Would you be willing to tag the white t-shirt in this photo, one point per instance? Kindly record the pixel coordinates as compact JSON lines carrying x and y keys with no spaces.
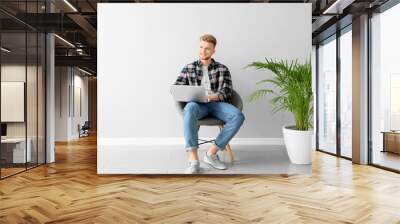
{"x":206,"y":80}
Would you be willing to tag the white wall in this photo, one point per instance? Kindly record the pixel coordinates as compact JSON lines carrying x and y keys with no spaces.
{"x":143,"y":47}
{"x":68,"y":81}
{"x":81,"y":82}
{"x":61,"y":103}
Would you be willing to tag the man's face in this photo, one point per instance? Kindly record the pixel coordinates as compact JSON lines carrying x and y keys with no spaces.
{"x":206,"y":50}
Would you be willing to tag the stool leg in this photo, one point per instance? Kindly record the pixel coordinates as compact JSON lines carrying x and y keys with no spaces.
{"x":230,"y":153}
{"x":228,"y":148}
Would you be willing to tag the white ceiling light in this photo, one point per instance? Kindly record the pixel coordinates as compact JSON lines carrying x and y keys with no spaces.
{"x":5,"y":50}
{"x":70,"y":5}
{"x":338,"y":6}
{"x":65,"y":41}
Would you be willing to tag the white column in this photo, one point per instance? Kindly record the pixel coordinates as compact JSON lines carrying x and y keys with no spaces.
{"x":50,"y":110}
{"x":50,"y":92}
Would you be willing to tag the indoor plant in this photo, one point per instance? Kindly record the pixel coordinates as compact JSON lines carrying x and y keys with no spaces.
{"x":293,"y":93}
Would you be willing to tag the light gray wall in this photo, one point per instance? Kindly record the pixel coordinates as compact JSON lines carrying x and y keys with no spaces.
{"x":143,"y":47}
{"x":61,"y":103}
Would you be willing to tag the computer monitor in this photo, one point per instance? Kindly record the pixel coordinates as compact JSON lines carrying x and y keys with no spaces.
{"x":3,"y":129}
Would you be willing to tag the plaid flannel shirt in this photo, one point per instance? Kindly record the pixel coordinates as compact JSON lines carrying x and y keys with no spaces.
{"x":220,"y":78}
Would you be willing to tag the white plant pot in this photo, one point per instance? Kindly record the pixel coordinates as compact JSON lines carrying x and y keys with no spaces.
{"x":298,"y":144}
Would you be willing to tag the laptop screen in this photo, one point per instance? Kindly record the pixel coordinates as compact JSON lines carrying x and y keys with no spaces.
{"x":3,"y":129}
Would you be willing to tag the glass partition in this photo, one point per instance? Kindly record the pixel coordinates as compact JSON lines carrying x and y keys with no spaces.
{"x":346,"y":93}
{"x":41,"y":88}
{"x":14,"y":155}
{"x":327,"y":96}
{"x":32,"y":95}
{"x":22,"y":77}
{"x":385,"y":89}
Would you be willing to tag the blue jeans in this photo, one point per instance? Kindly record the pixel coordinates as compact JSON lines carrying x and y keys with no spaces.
{"x":229,"y":114}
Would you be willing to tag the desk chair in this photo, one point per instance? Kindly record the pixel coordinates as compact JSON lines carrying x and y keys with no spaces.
{"x":84,"y":129}
{"x":236,"y":101}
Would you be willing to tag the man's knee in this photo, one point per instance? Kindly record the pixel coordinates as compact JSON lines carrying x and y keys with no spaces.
{"x":236,"y":118}
{"x":239,"y":117}
{"x":191,"y":108}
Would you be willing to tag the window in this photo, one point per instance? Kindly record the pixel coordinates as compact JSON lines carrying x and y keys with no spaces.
{"x":385,"y":89}
{"x":327,"y":96}
{"x":346,"y":92}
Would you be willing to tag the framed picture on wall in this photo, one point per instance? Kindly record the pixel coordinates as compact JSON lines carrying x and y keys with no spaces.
{"x":12,"y":101}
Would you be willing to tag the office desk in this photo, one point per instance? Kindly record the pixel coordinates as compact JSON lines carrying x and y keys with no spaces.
{"x":15,"y":148}
{"x":391,"y":141}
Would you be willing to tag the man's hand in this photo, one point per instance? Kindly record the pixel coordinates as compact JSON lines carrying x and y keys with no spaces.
{"x":212,"y":97}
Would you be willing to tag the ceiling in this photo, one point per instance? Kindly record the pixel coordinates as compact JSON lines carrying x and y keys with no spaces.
{"x":75,"y":21}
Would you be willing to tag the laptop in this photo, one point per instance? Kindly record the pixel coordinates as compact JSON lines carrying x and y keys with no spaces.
{"x":185,"y":93}
{"x":3,"y":131}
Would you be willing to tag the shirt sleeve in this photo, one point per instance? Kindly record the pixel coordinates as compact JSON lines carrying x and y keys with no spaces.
{"x":182,"y":77}
{"x":225,"y":86}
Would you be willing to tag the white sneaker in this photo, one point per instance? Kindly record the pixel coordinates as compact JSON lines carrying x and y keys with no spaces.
{"x":194,"y":167}
{"x":214,"y":161}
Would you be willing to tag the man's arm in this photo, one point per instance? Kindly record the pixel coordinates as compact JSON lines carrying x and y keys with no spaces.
{"x":183,"y":77}
{"x":225,"y":88}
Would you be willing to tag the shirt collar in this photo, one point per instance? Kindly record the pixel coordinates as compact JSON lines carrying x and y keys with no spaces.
{"x":201,"y":64}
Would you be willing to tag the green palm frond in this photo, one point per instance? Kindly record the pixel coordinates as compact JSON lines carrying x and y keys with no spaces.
{"x":258,"y":94}
{"x":266,"y":81}
{"x":293,"y":82}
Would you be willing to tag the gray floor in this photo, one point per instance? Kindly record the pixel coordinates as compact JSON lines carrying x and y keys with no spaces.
{"x":248,"y":160}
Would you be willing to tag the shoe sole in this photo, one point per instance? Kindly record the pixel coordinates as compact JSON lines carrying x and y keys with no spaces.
{"x":209,"y":163}
{"x":198,"y":172}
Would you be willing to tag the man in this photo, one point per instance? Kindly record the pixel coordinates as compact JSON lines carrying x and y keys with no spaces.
{"x":217,"y":81}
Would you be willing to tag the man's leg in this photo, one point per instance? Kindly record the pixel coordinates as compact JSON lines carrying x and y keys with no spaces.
{"x":233,"y":119}
{"x":191,"y":114}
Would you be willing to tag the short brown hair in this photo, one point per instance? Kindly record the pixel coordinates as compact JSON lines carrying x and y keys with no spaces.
{"x":209,"y":38}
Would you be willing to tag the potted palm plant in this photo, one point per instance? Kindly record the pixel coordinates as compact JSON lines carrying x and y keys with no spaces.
{"x":293,"y":93}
